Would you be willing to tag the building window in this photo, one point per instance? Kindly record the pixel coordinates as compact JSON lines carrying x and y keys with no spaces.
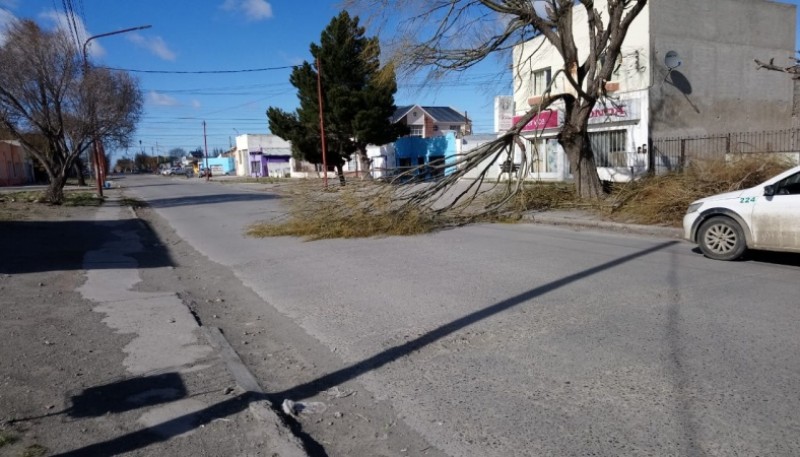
{"x":455,"y":128}
{"x":416,"y":130}
{"x":610,"y":148}
{"x":539,"y":81}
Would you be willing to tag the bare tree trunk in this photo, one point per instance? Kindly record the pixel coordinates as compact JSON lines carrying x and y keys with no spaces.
{"x":340,"y":172}
{"x":581,"y":157}
{"x":78,"y":167}
{"x":55,"y":190}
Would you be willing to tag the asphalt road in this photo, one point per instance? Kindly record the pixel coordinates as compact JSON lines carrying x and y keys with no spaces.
{"x":499,"y":340}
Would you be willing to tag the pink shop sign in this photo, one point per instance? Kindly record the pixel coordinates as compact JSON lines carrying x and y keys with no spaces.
{"x":547,"y":119}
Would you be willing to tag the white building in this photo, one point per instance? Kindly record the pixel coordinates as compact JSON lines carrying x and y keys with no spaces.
{"x":254,"y":154}
{"x":686,"y":68}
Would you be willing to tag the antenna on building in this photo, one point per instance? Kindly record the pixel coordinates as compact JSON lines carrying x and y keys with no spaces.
{"x":672,"y":60}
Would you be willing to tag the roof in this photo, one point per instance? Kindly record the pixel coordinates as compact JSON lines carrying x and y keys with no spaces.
{"x":437,"y":113}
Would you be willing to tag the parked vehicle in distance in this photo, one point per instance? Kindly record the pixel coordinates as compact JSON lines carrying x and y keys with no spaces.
{"x":766,"y":217}
{"x":173,"y":171}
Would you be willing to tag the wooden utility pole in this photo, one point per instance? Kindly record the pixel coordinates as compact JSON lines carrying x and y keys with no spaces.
{"x":322,"y":126}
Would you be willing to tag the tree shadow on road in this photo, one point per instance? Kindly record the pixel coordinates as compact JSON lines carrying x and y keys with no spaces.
{"x":41,"y":246}
{"x":142,"y":438}
{"x":195,"y":200}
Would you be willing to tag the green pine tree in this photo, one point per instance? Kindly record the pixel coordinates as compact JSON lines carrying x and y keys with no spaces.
{"x":357,"y":93}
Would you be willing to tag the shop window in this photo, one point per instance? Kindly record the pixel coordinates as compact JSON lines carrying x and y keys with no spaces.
{"x":610,"y":148}
{"x":544,"y":155}
{"x":539,"y":81}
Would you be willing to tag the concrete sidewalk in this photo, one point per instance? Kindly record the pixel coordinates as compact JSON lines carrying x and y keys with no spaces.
{"x":125,"y":367}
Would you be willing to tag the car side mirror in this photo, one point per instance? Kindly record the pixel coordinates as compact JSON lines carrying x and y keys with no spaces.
{"x":769,"y":191}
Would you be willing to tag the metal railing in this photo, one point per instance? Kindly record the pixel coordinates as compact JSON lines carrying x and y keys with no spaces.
{"x":673,"y":154}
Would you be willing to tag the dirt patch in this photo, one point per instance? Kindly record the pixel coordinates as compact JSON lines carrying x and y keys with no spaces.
{"x":63,"y":386}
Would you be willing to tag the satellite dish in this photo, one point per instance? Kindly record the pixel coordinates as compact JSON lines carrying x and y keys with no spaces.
{"x":672,"y":60}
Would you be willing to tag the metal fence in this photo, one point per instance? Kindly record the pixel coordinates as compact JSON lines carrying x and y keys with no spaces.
{"x":673,"y":154}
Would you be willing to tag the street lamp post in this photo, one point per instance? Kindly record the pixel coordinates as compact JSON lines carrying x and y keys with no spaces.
{"x":98,"y":163}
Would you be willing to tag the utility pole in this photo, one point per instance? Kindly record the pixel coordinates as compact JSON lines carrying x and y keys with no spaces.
{"x":98,"y":161}
{"x":322,"y":125}
{"x":205,"y":145}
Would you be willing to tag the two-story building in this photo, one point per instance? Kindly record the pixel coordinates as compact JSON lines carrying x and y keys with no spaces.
{"x":686,"y":69}
{"x":431,"y":121}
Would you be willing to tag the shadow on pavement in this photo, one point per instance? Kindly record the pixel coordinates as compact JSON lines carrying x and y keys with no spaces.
{"x":209,"y":199}
{"x":41,"y":246}
{"x":142,"y":438}
{"x":328,"y":381}
{"x":121,"y":396}
{"x":128,"y":394}
{"x":790,"y":259}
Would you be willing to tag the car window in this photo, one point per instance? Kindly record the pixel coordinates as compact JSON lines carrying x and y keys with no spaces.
{"x":789,"y":185}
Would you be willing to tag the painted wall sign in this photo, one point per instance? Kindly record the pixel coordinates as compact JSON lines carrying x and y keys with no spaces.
{"x":547,"y":119}
{"x":615,"y":111}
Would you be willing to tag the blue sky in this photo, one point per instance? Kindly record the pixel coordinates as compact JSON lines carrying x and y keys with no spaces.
{"x":213,"y":35}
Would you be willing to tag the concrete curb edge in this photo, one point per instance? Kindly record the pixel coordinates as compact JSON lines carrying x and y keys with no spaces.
{"x":282,"y":441}
{"x":652,"y":230}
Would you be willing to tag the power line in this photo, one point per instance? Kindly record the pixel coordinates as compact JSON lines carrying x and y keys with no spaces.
{"x":201,"y":72}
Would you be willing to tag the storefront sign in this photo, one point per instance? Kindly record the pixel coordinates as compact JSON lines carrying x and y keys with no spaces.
{"x":546,"y":119}
{"x":615,"y":111}
{"x":503,"y":113}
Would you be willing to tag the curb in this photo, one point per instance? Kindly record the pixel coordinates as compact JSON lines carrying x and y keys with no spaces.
{"x":282,"y":441}
{"x":652,"y":230}
{"x":280,"y":438}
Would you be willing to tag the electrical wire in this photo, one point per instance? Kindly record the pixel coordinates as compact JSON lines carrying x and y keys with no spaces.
{"x":200,"y":72}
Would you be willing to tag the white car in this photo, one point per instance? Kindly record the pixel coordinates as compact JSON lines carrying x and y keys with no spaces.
{"x":765,"y":217}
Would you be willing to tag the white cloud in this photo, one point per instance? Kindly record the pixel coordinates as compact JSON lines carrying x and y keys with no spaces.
{"x":161,"y":100}
{"x":254,"y":10}
{"x":155,"y":45}
{"x":61,"y":22}
{"x":196,"y":104}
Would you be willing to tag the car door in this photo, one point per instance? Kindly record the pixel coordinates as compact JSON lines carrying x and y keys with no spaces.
{"x":776,"y":218}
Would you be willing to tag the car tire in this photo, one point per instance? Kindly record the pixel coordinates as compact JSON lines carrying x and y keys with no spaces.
{"x":721,"y":238}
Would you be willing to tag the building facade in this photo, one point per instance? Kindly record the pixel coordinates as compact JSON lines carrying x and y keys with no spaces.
{"x":16,"y":168}
{"x":260,"y":155}
{"x":432,"y":121}
{"x":686,"y":68}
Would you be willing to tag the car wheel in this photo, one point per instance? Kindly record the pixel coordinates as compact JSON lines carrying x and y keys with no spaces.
{"x":721,"y":238}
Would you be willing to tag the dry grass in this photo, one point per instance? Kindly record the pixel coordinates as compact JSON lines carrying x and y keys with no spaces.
{"x":664,"y":199}
{"x":357,"y":210}
{"x":541,"y":196}
{"x":27,"y":205}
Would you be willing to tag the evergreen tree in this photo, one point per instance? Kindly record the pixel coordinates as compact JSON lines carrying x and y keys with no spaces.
{"x":358,"y":98}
